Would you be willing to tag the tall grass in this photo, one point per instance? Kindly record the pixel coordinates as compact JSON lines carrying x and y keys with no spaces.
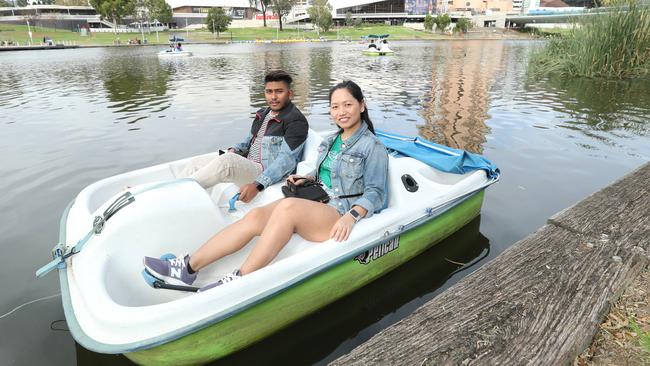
{"x":612,"y":45}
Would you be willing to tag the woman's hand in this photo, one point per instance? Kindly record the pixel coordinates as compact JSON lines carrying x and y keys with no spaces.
{"x":342,"y":228}
{"x":298,"y":180}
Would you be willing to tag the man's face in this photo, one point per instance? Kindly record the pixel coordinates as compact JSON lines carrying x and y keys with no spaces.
{"x":277,"y":94}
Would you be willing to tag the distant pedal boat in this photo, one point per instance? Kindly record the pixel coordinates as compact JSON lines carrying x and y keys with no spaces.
{"x":170,"y":53}
{"x":109,"y":308}
{"x":370,"y":52}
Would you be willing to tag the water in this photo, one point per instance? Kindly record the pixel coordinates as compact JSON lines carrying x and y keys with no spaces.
{"x":69,"y":118}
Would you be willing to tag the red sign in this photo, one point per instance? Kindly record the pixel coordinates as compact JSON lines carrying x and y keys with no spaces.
{"x":268,"y":17}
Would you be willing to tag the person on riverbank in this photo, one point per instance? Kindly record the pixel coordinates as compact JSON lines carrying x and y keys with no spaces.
{"x":270,"y":151}
{"x":358,"y":187}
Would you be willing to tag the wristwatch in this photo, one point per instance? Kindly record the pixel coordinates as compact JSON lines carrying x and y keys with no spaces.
{"x":355,"y":215}
{"x":260,"y":187}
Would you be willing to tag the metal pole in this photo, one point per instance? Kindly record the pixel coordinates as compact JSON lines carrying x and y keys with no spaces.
{"x":142,"y":31}
{"x":187,"y":30}
{"x":213,"y":36}
{"x":29,"y":32}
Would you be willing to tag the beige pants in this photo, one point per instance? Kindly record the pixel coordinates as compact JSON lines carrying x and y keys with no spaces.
{"x":226,"y":168}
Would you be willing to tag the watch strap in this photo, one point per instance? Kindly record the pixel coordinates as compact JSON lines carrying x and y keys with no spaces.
{"x":355,"y":215}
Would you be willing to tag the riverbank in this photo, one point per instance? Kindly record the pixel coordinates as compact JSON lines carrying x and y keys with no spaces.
{"x":624,"y":336}
{"x":19,"y":34}
{"x":541,"y":301}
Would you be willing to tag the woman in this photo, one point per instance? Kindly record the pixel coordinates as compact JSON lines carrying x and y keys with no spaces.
{"x":350,"y":162}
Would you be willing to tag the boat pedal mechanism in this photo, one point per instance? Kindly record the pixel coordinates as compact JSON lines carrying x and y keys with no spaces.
{"x":157,"y":283}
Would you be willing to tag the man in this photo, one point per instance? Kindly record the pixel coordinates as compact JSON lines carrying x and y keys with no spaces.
{"x":271,"y":150}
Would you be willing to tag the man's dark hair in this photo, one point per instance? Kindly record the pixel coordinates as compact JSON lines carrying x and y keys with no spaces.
{"x":278,"y":75}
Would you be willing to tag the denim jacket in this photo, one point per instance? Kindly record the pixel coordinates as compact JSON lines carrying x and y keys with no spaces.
{"x":361,"y":167}
{"x":282,"y":144}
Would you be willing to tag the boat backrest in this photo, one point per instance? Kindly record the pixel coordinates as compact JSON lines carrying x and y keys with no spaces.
{"x":310,"y":153}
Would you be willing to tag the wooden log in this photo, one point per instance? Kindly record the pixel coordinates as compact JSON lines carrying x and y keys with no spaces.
{"x":538,"y":303}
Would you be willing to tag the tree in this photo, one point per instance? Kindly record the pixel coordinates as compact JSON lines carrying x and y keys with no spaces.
{"x":21,"y":3}
{"x":263,"y":4}
{"x":113,"y":9}
{"x":358,"y":22}
{"x":159,"y":10}
{"x":349,"y":21}
{"x":463,"y":25}
{"x":321,"y":15}
{"x":217,"y":20}
{"x":429,"y":22}
{"x":442,"y":22}
{"x":281,"y":8}
{"x":4,"y":4}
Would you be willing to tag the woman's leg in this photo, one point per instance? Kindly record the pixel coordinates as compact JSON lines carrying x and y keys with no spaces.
{"x":311,"y":220}
{"x":233,"y":237}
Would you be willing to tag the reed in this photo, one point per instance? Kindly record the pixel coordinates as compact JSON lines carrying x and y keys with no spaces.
{"x":611,"y":45}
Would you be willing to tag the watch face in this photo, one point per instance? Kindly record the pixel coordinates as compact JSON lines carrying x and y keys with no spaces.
{"x":354,"y":214}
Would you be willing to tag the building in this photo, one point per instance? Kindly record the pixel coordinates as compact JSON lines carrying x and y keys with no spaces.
{"x":195,"y":12}
{"x":184,"y":13}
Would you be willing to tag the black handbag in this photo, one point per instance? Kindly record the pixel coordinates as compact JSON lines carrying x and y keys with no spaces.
{"x":309,"y":190}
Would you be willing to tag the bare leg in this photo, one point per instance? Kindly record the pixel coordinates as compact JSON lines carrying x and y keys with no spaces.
{"x":233,"y":237}
{"x":311,"y":220}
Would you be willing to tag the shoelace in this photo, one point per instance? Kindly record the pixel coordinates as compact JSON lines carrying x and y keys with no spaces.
{"x":229,"y":277}
{"x":177,"y":262}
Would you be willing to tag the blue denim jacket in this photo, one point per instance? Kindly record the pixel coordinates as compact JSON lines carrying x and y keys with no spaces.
{"x":282,"y":144}
{"x":361,"y":167}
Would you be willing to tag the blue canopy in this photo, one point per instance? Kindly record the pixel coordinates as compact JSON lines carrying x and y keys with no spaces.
{"x":441,"y":157}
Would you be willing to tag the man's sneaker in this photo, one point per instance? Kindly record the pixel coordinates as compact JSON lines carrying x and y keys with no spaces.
{"x":227,"y":278}
{"x":173,"y":271}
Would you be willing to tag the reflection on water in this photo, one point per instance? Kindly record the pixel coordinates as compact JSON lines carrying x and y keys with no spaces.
{"x":605,"y":110}
{"x":136,"y":88}
{"x":458,"y":104}
{"x":70,"y":118}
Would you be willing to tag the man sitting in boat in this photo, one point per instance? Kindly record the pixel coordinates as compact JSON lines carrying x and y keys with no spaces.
{"x":383,"y":46}
{"x":179,"y":48}
{"x":269,"y":153}
{"x":372,"y":44}
{"x":353,"y":168}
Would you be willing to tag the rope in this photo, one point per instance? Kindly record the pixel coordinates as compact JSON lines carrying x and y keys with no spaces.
{"x":29,"y":303}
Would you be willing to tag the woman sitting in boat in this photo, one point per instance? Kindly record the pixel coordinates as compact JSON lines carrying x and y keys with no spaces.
{"x":372,"y":44}
{"x":178,"y":47}
{"x":351,"y":162}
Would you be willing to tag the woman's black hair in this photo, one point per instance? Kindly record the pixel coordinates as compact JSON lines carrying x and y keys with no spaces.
{"x":356,"y":92}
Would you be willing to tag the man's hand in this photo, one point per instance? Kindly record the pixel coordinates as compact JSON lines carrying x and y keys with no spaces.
{"x":247,"y":192}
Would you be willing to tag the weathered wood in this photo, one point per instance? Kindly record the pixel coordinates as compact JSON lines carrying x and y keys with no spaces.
{"x":538,"y":303}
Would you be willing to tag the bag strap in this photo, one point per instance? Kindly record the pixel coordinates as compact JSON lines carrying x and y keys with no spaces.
{"x":349,"y":195}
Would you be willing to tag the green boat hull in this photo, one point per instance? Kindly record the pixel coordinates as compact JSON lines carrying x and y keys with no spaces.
{"x":260,"y":321}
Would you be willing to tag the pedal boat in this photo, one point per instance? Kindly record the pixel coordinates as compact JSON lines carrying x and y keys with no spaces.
{"x":169,"y":53}
{"x":378,"y":53}
{"x":110,"y":309}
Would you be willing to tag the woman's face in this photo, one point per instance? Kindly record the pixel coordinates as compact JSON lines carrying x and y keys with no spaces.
{"x":345,"y":109}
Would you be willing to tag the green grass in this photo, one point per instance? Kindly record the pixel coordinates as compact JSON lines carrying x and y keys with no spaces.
{"x":19,"y":33}
{"x":644,"y":339}
{"x":611,"y":45}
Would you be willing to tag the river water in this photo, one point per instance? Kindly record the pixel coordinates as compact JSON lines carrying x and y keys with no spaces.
{"x":69,"y":118}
